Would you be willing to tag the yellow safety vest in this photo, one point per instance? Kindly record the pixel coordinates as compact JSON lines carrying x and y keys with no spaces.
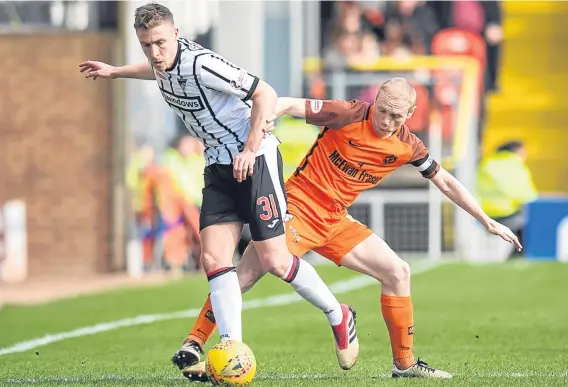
{"x":296,"y":137}
{"x":504,"y":184}
{"x":187,"y":174}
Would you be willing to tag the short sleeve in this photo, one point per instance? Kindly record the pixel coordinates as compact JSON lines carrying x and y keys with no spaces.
{"x":218,"y":73}
{"x":421,"y":158}
{"x":335,"y":114}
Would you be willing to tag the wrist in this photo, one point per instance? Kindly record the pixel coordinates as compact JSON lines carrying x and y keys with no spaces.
{"x":116,"y":72}
{"x":485,"y":221}
{"x":250,"y":148}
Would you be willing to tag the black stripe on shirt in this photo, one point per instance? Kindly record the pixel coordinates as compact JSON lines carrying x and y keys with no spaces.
{"x":194,"y":116}
{"x":252,"y":89}
{"x":204,"y":96}
{"x":254,"y":83}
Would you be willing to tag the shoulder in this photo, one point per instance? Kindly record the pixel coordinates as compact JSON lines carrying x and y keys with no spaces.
{"x":192,"y":47}
{"x":407,"y":137}
{"x":192,"y":53}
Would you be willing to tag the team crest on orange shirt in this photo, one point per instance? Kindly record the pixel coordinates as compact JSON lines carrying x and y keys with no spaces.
{"x":389,"y":159}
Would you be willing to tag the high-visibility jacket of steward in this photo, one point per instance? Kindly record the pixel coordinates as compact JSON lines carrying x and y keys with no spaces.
{"x":186,"y":173}
{"x":296,"y":137}
{"x":504,"y":184}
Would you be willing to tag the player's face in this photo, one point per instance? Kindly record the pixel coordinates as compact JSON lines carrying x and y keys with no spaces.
{"x":159,"y":44}
{"x":390,"y":113}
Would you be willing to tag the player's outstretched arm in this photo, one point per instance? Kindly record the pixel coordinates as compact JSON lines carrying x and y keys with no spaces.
{"x":293,"y":106}
{"x":456,"y":192}
{"x":95,"y":69}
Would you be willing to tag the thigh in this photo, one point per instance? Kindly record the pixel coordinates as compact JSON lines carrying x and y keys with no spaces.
{"x":220,"y":204}
{"x":374,"y":257}
{"x":344,"y":238}
{"x":264,"y":197}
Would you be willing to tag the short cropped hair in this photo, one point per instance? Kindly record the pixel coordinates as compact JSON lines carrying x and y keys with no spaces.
{"x":400,"y":88}
{"x":511,"y":146}
{"x":152,"y":15}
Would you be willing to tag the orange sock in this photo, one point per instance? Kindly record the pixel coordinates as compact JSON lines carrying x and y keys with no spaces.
{"x":398,"y":315}
{"x":204,"y":326}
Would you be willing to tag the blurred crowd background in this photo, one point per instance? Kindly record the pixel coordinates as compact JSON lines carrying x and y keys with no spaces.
{"x":107,"y":172}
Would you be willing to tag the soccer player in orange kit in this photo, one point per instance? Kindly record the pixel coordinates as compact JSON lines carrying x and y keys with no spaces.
{"x":359,"y":145}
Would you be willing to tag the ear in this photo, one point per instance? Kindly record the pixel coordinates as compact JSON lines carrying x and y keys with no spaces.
{"x":176,"y":32}
{"x":411,"y":112}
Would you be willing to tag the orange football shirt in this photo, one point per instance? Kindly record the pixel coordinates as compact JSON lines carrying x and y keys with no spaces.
{"x":348,"y":157}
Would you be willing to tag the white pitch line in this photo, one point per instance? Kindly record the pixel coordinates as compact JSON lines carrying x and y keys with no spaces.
{"x":354,"y":283}
{"x":271,"y":376}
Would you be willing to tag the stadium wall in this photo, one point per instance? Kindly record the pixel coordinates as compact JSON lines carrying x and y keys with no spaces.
{"x":55,"y":153}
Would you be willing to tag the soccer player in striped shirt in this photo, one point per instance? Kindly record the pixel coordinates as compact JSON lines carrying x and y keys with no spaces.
{"x":243,"y":176}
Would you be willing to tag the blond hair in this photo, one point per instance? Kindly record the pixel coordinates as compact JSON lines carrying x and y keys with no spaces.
{"x":152,"y":15}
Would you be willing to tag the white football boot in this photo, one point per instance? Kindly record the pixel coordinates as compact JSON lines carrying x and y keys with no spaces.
{"x":420,"y":370}
{"x":346,"y":341}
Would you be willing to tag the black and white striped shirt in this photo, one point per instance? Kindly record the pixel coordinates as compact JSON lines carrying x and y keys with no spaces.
{"x":212,"y":97}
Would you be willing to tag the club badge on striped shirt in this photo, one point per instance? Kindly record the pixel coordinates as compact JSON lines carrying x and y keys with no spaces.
{"x":182,"y":82}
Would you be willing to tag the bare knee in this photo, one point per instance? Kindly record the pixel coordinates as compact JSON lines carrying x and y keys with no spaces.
{"x":212,"y":262}
{"x":398,"y":276}
{"x":208,"y":262}
{"x":274,"y":256}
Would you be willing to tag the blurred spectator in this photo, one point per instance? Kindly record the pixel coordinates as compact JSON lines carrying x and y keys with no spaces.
{"x":359,"y":32}
{"x":505,"y":186}
{"x":350,"y":40}
{"x":482,"y":17}
{"x":141,"y":176}
{"x":296,"y":138}
{"x":410,"y":26}
{"x":179,"y":201}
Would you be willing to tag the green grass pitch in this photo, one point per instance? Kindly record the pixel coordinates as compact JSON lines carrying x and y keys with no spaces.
{"x":490,"y":325}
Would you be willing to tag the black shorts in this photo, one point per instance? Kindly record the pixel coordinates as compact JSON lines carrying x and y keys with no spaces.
{"x":260,"y":200}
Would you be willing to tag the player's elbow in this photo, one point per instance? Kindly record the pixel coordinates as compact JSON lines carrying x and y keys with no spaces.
{"x":264,"y":92}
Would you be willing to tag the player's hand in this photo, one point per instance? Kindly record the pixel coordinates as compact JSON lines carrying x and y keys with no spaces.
{"x":269,"y":127}
{"x":94,"y":69}
{"x":243,"y":165}
{"x":504,"y":232}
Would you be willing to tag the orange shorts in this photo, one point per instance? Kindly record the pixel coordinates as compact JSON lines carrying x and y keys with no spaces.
{"x":312,"y":226}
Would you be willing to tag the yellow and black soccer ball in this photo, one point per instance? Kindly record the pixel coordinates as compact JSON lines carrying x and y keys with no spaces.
{"x":230,"y":363}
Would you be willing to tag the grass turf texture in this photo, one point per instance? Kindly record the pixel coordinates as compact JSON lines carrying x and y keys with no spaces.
{"x":490,"y":325}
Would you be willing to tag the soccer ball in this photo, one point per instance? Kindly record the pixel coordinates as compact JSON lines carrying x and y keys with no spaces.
{"x":230,"y":363}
